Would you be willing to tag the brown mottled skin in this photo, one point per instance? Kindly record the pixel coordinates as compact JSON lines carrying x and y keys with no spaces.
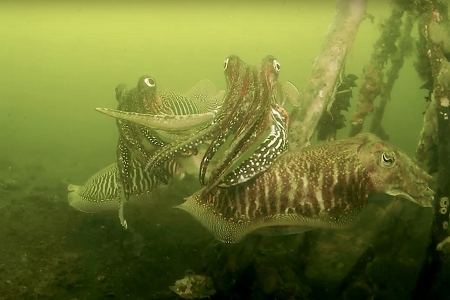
{"x":317,"y":186}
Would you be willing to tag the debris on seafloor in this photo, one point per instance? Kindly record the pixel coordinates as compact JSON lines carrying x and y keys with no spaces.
{"x":194,"y":286}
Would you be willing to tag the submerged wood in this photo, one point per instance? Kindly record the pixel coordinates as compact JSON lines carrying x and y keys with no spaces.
{"x":372,"y":84}
{"x":318,"y":93}
{"x":432,"y":24}
{"x":397,"y":57}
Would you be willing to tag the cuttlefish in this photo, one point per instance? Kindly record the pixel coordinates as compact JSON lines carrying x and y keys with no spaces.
{"x":250,"y":117}
{"x":136,"y":141}
{"x":171,"y":112}
{"x":323,"y":186}
{"x":165,"y":107}
{"x":102,"y":190}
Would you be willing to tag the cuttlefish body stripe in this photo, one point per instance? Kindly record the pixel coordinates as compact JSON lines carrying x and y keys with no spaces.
{"x":161,"y":122}
{"x":201,"y":98}
{"x":102,"y":190}
{"x":319,"y":186}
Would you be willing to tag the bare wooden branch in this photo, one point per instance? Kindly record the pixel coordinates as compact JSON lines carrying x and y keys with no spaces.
{"x":318,"y":93}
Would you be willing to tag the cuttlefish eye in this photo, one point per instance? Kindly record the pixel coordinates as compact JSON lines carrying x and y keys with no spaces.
{"x":225,"y":63}
{"x":150,"y":82}
{"x":276,"y":65}
{"x":387,"y":159}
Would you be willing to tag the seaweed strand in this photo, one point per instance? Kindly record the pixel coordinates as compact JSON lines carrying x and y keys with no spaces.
{"x":372,"y":77}
{"x":397,"y":58}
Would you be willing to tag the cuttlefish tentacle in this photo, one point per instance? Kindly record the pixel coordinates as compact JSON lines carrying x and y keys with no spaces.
{"x":263,"y":157}
{"x":238,"y":116}
{"x":245,"y":115}
{"x":161,"y":122}
{"x":258,"y":118}
{"x":267,"y":152}
{"x":225,"y":121}
{"x":323,"y":186}
{"x":162,"y":110}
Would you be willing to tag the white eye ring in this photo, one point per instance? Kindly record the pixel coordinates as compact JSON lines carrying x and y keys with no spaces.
{"x":276,"y":65}
{"x":225,"y":63}
{"x":149,"y":82}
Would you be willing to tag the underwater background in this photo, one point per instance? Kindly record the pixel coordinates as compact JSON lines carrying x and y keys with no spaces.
{"x":61,"y":59}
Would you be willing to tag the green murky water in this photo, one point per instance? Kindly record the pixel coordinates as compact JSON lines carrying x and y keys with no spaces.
{"x":61,"y":59}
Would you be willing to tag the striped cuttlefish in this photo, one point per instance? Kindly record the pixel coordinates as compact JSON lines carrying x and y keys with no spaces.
{"x":323,"y":186}
{"x":138,"y":142}
{"x":127,"y":178}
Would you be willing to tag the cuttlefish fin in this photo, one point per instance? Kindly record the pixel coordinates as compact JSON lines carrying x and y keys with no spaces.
{"x":224,"y":230}
{"x":204,"y":93}
{"x":202,"y":90}
{"x":289,"y":93}
{"x":161,"y":122}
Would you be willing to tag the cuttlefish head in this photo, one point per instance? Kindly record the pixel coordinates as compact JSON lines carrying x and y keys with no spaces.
{"x":240,"y":81}
{"x":242,"y":78}
{"x":142,"y":99}
{"x":235,"y":70}
{"x":269,"y":69}
{"x":147,"y":99}
{"x":394,"y":173}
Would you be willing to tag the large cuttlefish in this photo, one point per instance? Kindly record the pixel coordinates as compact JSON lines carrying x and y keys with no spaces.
{"x":315,"y":187}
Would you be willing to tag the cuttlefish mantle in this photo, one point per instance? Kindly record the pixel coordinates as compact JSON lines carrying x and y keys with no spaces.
{"x":161,"y":122}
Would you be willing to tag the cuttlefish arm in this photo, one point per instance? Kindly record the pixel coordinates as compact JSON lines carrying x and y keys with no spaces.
{"x":264,"y":156}
{"x":161,"y":122}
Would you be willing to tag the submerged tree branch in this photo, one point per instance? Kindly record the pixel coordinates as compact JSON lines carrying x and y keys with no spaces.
{"x":372,"y":84}
{"x":397,"y":56}
{"x":318,"y":93}
{"x":433,"y":27}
